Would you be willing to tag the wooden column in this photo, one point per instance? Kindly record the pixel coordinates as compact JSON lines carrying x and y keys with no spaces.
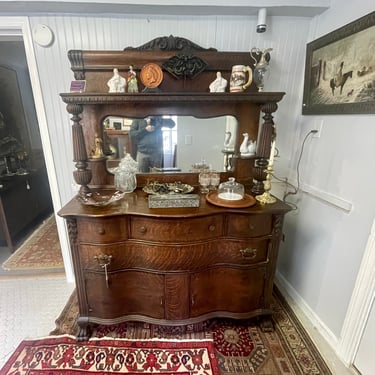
{"x":82,"y":175}
{"x":264,"y":147}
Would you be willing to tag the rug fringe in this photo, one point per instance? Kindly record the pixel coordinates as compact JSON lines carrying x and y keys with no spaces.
{"x":124,"y":339}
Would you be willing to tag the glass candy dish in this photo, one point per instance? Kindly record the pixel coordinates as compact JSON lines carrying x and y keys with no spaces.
{"x":101,"y":198}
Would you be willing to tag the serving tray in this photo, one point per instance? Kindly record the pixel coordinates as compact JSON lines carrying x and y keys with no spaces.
{"x":246,"y":201}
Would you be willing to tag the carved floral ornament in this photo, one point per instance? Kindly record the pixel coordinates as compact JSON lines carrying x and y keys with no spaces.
{"x":183,"y":65}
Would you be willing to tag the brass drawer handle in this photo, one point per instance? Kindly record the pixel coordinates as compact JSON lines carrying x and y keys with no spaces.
{"x":212,"y":228}
{"x":143,"y":230}
{"x":249,"y":253}
{"x":104,"y":261}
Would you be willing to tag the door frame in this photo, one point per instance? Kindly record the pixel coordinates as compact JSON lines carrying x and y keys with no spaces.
{"x":20,"y":27}
{"x":360,"y":304}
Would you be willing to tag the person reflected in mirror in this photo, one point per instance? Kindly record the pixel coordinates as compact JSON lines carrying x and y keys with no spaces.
{"x":116,"y":83}
{"x":219,"y":85}
{"x":146,"y":134}
{"x":132,"y":80}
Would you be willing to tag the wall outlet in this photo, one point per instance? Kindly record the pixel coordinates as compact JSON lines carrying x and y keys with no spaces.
{"x":318,"y":126}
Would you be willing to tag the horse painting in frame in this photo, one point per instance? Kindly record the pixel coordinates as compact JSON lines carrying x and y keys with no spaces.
{"x":340,"y":70}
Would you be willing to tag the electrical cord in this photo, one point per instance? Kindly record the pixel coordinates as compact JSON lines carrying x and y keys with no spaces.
{"x":296,"y":188}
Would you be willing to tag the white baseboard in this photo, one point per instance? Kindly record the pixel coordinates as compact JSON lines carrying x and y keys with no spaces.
{"x":323,"y":338}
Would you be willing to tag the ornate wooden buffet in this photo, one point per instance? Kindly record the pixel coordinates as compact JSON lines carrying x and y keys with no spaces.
{"x":170,"y":265}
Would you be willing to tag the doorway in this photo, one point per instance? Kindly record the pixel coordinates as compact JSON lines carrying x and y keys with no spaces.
{"x":11,"y":27}
{"x":25,"y":196}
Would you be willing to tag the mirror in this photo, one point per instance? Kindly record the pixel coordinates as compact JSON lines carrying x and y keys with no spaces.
{"x":178,"y":143}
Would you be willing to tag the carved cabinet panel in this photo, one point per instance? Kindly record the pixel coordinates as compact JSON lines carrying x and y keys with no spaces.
{"x":175,"y":268}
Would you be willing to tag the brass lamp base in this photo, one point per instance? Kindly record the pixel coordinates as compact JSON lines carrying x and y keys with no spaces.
{"x":266,"y":197}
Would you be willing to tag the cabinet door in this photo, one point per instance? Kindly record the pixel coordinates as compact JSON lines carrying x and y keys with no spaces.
{"x":127,"y":293}
{"x":227,"y":290}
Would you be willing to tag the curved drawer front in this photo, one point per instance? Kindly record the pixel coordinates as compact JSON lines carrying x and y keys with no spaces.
{"x":246,"y":226}
{"x":176,"y":230}
{"x":102,"y":230}
{"x":173,"y":258}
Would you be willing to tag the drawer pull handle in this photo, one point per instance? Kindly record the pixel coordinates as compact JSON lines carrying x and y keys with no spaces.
{"x":249,"y":253}
{"x":101,"y":231}
{"x":143,"y":230}
{"x":251,"y":226}
{"x":212,"y":228}
{"x":104,"y":261}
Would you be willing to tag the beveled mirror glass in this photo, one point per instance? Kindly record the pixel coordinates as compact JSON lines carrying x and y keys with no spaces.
{"x":185,"y":143}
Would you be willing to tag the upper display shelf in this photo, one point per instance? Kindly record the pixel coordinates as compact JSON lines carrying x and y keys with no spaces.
{"x":165,"y":64}
{"x":175,"y":77}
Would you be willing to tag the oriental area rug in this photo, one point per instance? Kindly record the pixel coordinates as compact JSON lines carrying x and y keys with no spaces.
{"x":40,"y":252}
{"x":64,"y":355}
{"x":241,"y":347}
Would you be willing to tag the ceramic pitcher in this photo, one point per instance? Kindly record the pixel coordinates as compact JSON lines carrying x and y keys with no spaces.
{"x":238,"y":82}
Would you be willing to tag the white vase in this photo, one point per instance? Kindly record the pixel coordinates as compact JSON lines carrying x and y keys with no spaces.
{"x":244,"y":145}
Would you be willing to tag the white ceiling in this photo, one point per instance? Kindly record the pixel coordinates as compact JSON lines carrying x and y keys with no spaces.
{"x":294,"y":8}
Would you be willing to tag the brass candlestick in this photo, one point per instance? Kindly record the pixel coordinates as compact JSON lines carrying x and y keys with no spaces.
{"x":266,"y":197}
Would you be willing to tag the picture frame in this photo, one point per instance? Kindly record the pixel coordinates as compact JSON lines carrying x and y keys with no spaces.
{"x":340,"y":70}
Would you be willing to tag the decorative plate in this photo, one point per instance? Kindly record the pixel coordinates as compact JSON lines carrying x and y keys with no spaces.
{"x":246,"y":201}
{"x":167,"y":188}
{"x":151,"y":75}
{"x":101,"y":198}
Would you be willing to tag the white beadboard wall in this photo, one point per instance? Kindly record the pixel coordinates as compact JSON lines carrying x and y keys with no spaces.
{"x":286,"y":35}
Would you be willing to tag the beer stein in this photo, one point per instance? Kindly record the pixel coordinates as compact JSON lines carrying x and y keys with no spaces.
{"x":238,"y":81}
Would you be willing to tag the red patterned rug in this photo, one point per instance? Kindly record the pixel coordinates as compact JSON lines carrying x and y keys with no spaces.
{"x":241,"y":347}
{"x":64,"y":355}
{"x":40,"y":252}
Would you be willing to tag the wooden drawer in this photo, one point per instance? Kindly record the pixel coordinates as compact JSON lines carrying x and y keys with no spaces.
{"x":246,"y":226}
{"x":166,"y":258}
{"x":102,"y":230}
{"x":176,"y":230}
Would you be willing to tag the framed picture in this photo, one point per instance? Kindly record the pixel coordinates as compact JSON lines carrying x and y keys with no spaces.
{"x":340,"y":70}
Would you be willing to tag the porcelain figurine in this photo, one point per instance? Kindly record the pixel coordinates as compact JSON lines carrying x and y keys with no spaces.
{"x":219,"y":85}
{"x":248,"y":147}
{"x":132,"y":80}
{"x":116,"y":83}
{"x":97,"y":152}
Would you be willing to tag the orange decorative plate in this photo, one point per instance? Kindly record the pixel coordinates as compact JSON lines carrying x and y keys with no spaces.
{"x":151,"y":75}
{"x":246,"y":201}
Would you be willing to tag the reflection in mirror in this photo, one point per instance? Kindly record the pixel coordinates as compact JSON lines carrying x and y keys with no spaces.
{"x":185,"y":143}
